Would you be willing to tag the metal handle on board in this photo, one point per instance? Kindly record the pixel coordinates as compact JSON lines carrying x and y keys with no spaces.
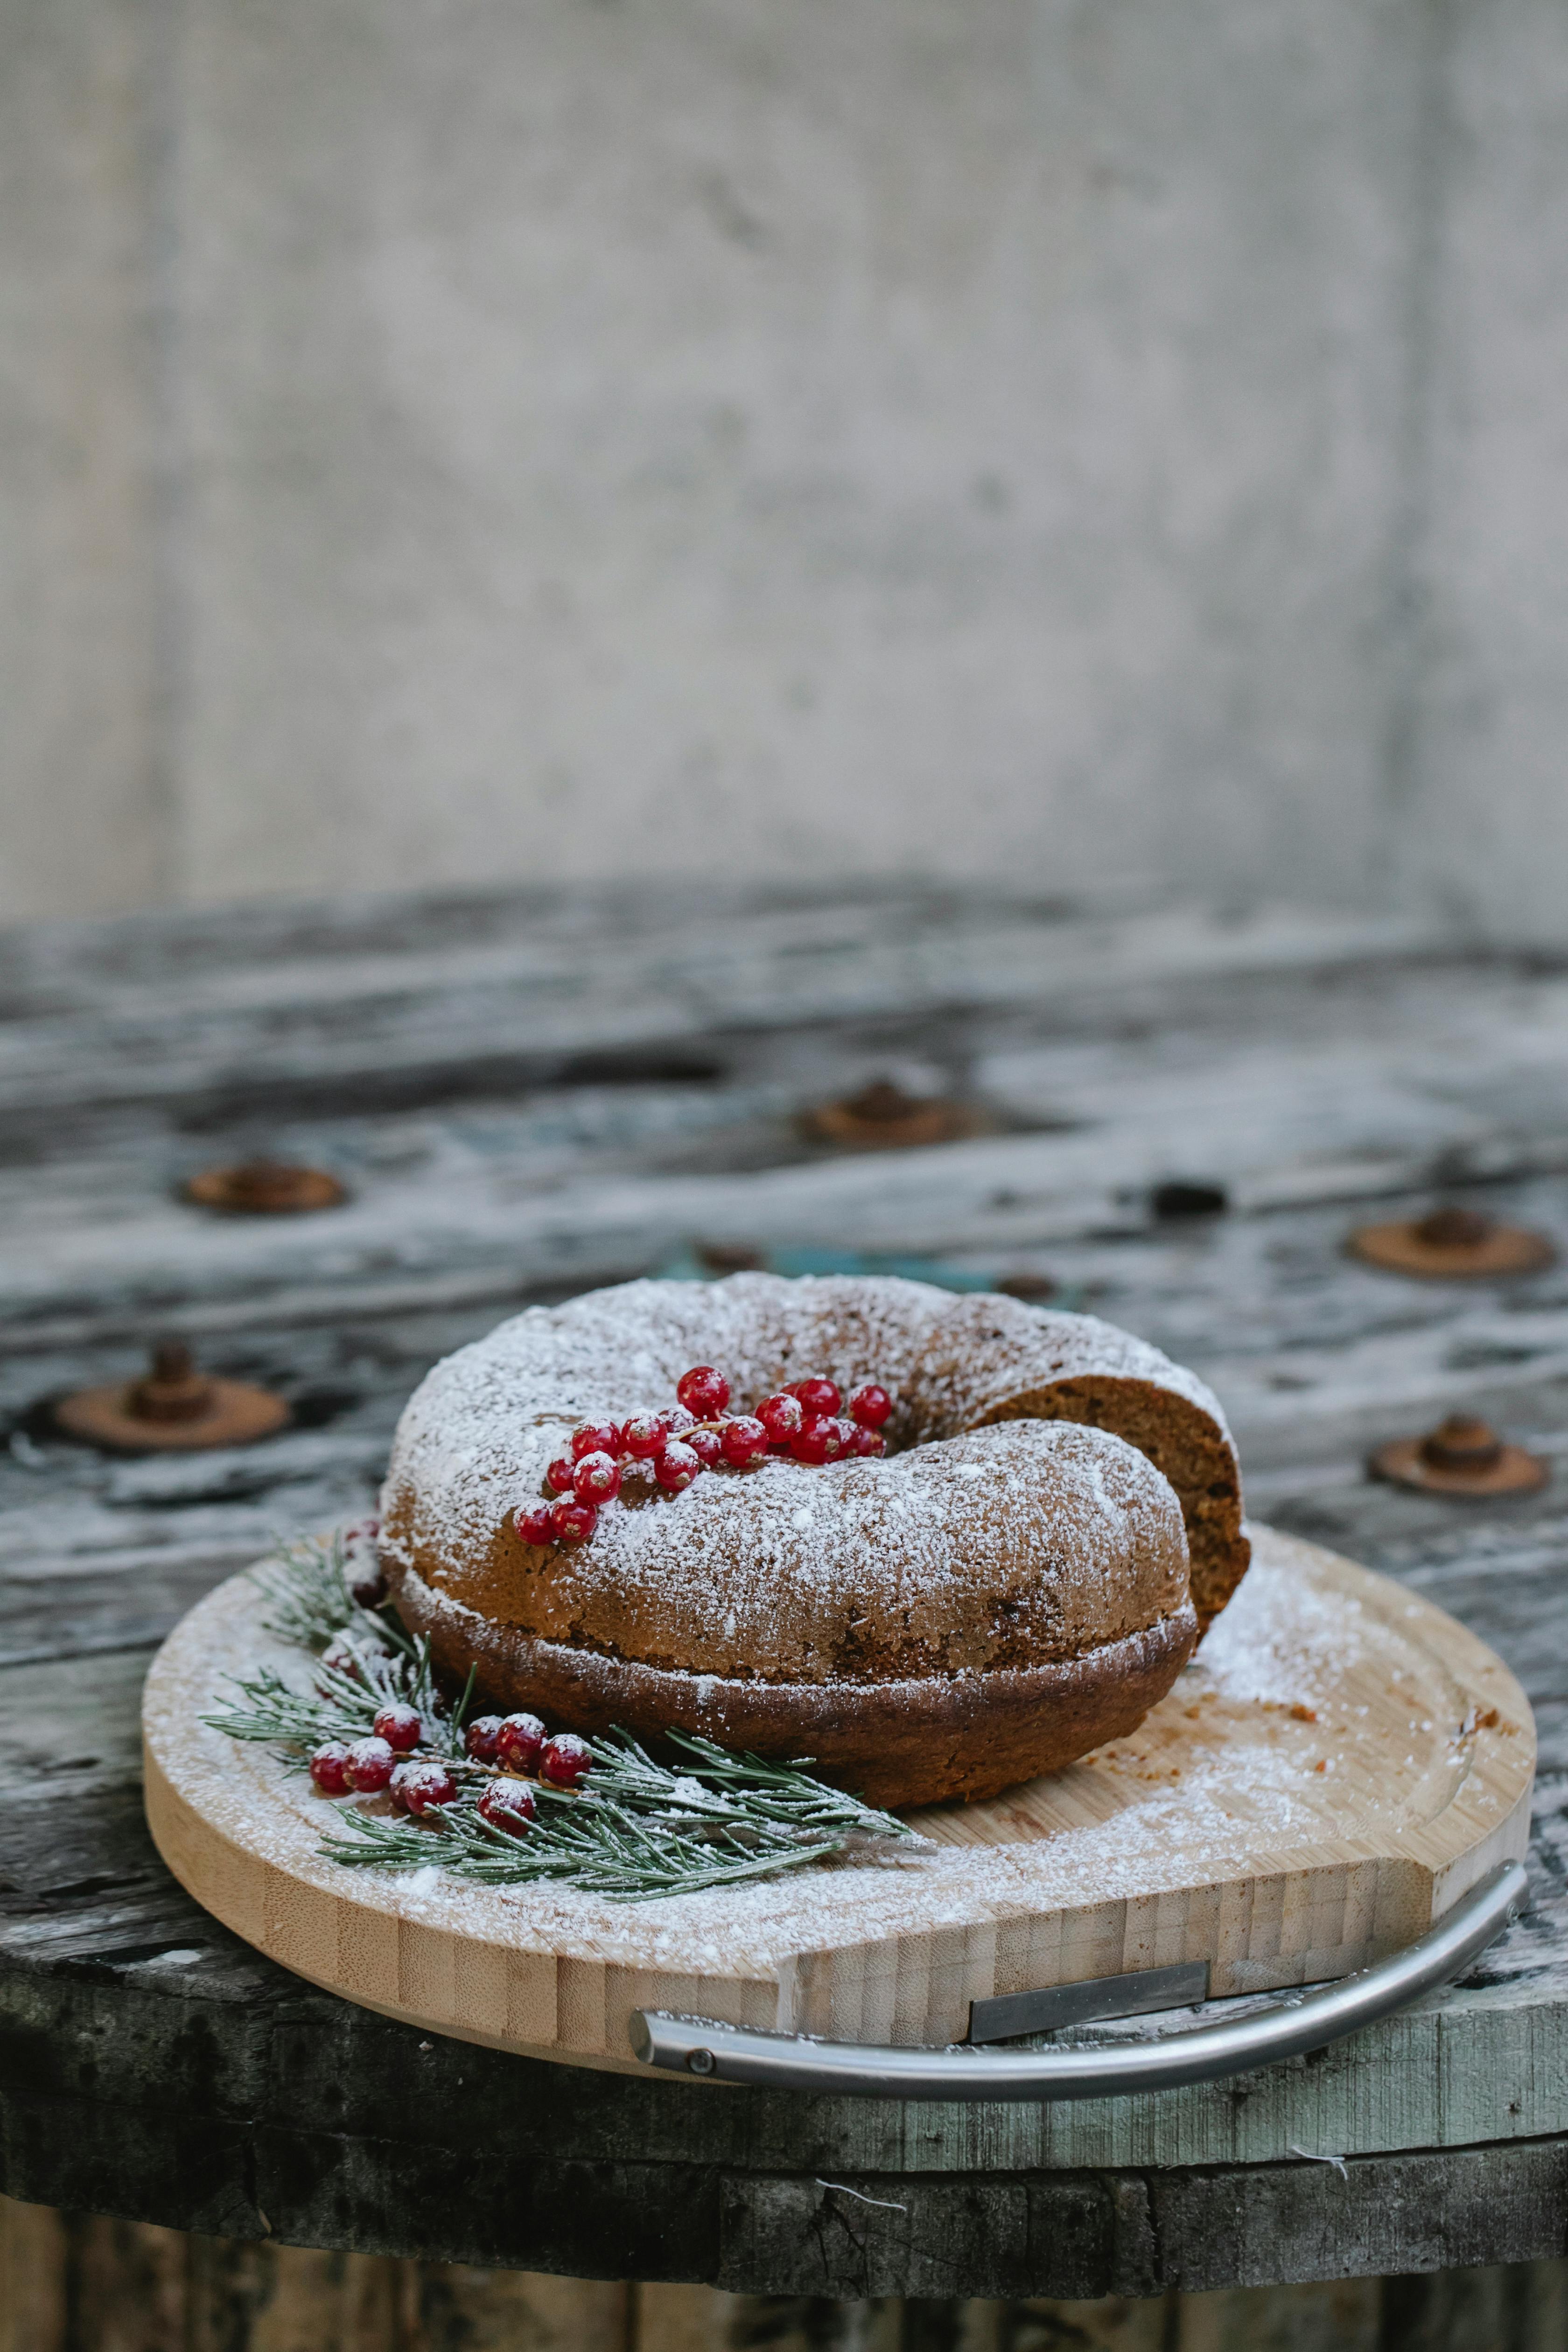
{"x":794,"y":2061}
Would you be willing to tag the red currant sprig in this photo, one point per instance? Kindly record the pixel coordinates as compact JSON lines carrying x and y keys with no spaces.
{"x":395,"y":1758}
{"x":805,"y":1421}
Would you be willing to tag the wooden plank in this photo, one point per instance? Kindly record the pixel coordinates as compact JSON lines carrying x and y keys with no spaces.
{"x":1139,"y":2235}
{"x":1279,"y":1128}
{"x":69,"y":2282}
{"x":498,"y":2311}
{"x":1382,"y":2215}
{"x":84,"y":2283}
{"x":1344,"y":2315}
{"x":184,"y":1007}
{"x":287,"y":2299}
{"x":35,"y":2278}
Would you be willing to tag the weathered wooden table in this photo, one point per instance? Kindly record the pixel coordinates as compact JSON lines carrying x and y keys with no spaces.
{"x":526,"y":1097}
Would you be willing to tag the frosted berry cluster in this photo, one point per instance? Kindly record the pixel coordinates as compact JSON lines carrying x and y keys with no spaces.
{"x":503,"y":1747}
{"x":807,"y":1421}
{"x":399,"y":1756}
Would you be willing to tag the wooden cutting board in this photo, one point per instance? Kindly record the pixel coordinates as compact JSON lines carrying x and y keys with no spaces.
{"x":1337,"y":1766}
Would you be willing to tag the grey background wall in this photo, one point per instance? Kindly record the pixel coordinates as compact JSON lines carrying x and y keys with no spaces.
{"x":1066,"y":442}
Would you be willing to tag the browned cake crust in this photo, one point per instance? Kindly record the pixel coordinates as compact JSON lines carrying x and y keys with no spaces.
{"x":998,"y":1565}
{"x":906,"y":1743}
{"x":991,"y":1359}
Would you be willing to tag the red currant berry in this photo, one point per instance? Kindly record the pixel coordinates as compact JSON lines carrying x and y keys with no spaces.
{"x":677,"y":1467}
{"x":417,"y":1788}
{"x":816,"y":1442}
{"x":744,"y":1441}
{"x":597,"y":1478}
{"x":519,"y":1739}
{"x":534,"y":1523}
{"x":365,"y":1582}
{"x":360,"y":1531}
{"x":707,"y":1445}
{"x":369,"y":1765}
{"x":398,"y":1723}
{"x":595,"y":1437}
{"x":558,"y":1477}
{"x":645,"y":1434}
{"x":872,"y":1405}
{"x":819,"y":1396}
{"x":328,"y":1769}
{"x":847,"y":1430}
{"x":507,"y":1805}
{"x":703,"y":1391}
{"x":565,"y":1761}
{"x":573,"y":1522}
{"x":481,"y":1737}
{"x":781,"y":1416}
{"x":866,"y":1440}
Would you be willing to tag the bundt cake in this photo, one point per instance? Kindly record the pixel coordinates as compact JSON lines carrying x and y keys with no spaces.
{"x":1005,"y":1588}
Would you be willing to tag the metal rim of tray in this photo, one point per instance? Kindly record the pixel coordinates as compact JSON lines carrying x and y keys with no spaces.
{"x":1300,"y":2021}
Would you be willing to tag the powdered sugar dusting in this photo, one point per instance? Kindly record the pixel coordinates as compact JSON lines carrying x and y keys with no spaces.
{"x":1282,"y":1658}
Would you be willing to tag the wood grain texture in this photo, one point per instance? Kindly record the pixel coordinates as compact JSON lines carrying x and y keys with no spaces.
{"x":1348,"y":1825}
{"x":73,"y":2283}
{"x":153,"y":2064}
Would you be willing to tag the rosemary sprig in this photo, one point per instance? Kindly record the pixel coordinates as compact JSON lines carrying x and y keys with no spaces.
{"x":721,"y":1788}
{"x":309,"y":1602}
{"x":341,"y":1705}
{"x":640,"y":1830}
{"x":600,"y":1846}
{"x":282,"y":1717}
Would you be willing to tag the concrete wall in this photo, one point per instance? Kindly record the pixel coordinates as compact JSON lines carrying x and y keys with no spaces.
{"x":1043,"y":439}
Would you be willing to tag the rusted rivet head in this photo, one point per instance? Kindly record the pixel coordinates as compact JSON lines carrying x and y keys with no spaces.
{"x":172,"y":1389}
{"x":1451,"y":1244}
{"x":1453,"y":1227}
{"x":1464,"y":1455}
{"x":265,"y":1188}
{"x":882,"y":1117}
{"x":1462,"y":1443}
{"x":172,"y":1408}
